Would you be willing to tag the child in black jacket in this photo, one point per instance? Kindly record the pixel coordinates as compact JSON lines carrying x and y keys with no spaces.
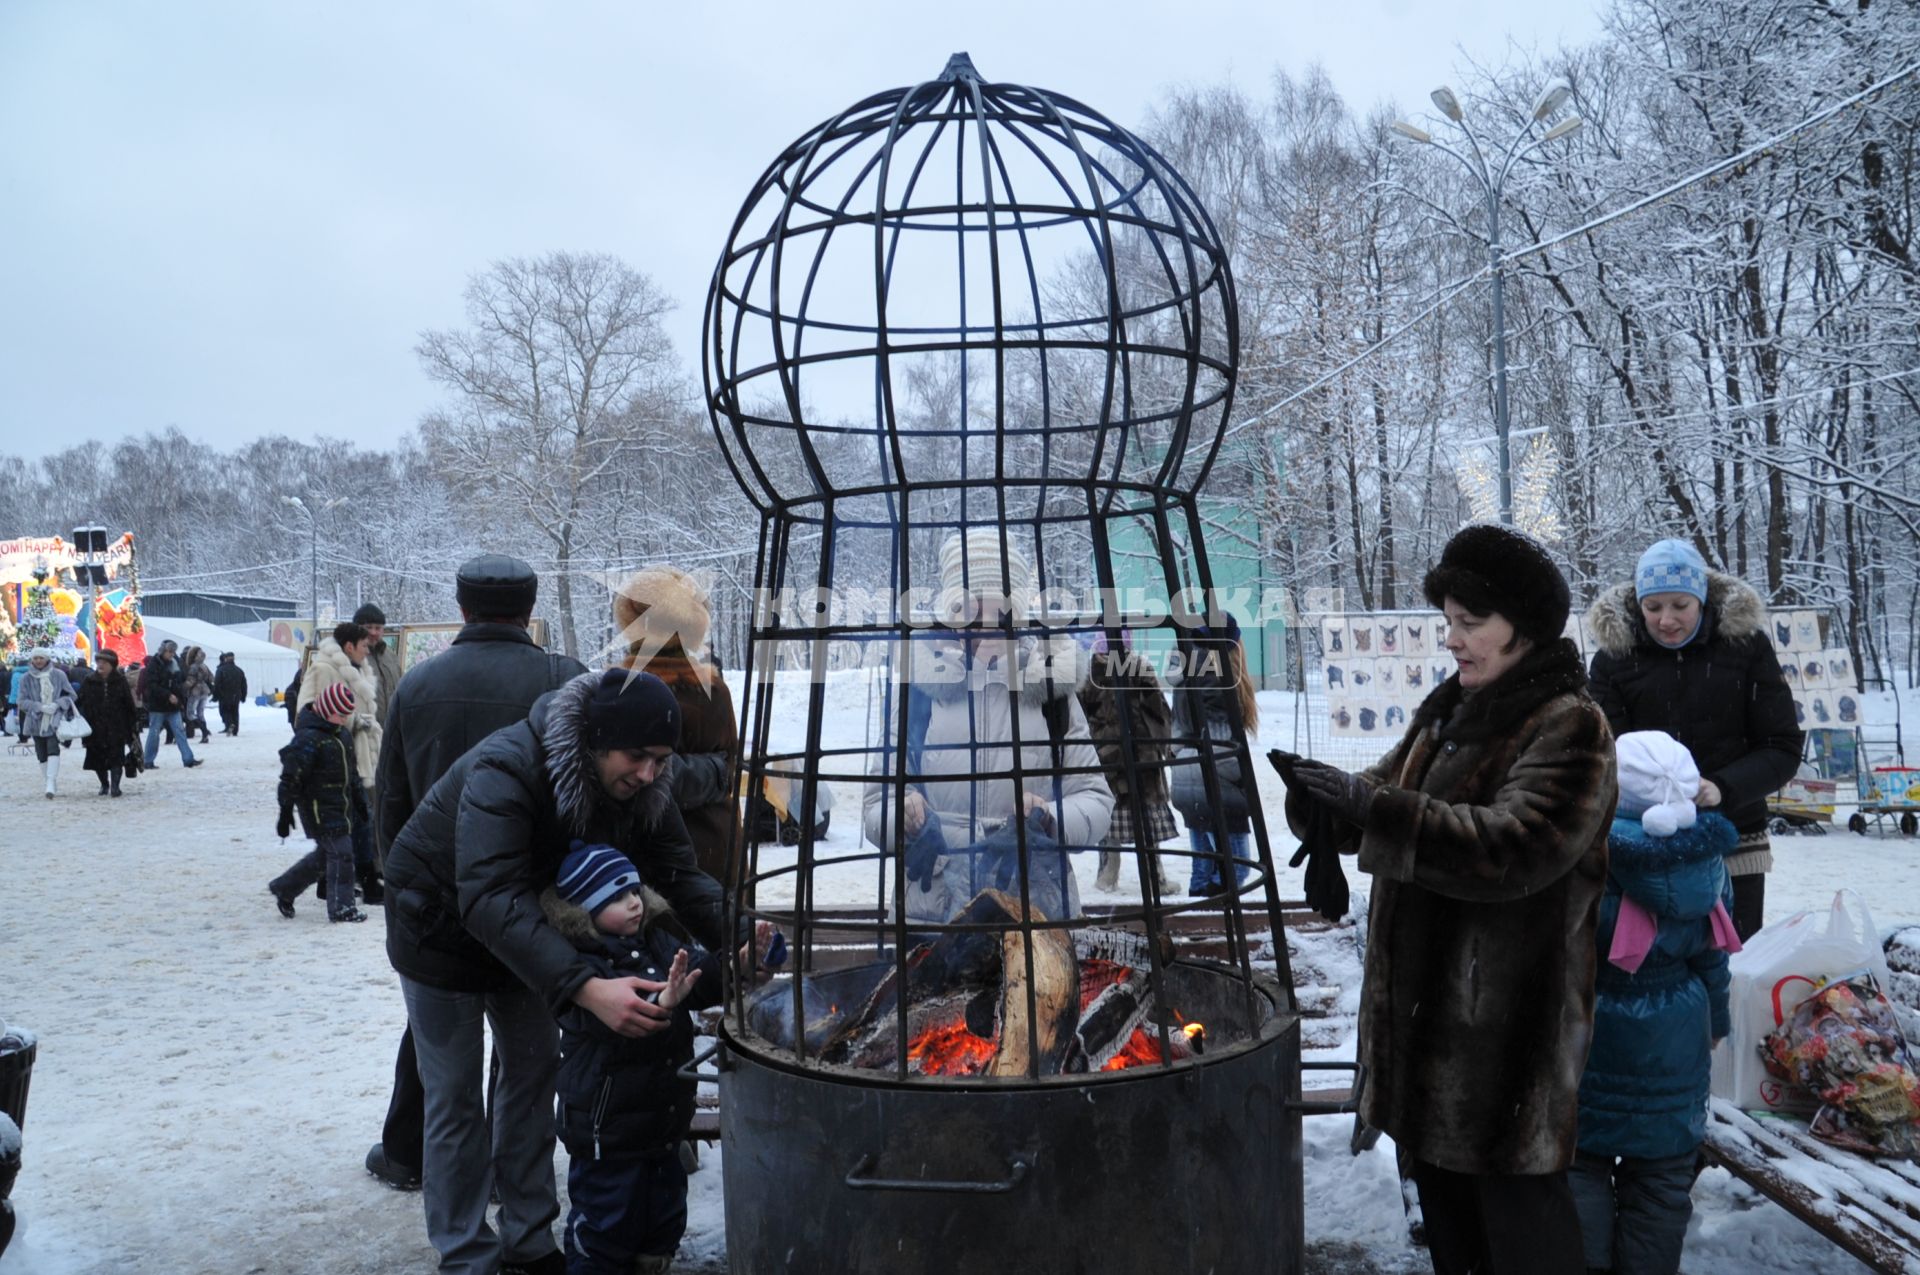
{"x":318,"y":778}
{"x":622,"y":1111}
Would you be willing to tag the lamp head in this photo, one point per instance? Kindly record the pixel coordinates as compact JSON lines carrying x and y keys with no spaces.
{"x":1571,"y":124}
{"x":1552,"y":98}
{"x":1410,"y":132}
{"x":1449,"y":104}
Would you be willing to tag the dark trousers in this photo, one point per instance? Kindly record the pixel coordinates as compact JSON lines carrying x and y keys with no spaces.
{"x":623,"y":1209}
{"x":331,"y":856}
{"x":1633,"y":1212}
{"x":1499,"y":1223}
{"x":230,"y":716}
{"x":1749,"y":903}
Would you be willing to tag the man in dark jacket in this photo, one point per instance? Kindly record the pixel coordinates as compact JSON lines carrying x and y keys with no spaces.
{"x":229,"y":689}
{"x":486,"y":680}
{"x":383,"y":657}
{"x":467,"y":936}
{"x":163,"y":677}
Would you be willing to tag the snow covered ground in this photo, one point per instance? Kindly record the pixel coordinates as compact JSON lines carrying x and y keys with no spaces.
{"x":210,"y":1075}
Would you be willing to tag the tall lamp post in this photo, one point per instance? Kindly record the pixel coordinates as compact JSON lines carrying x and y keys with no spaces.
{"x":313,"y":553}
{"x":1492,"y":177}
{"x":90,"y":547}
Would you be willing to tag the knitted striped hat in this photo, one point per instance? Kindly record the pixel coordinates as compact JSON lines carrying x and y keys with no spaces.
{"x":1671,"y":566}
{"x":593,"y":876}
{"x":335,"y":701}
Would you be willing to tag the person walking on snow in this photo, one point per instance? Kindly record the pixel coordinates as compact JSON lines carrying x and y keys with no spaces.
{"x":318,"y":780}
{"x":196,"y":681}
{"x":45,"y":699}
{"x":106,"y":701}
{"x":342,"y":661}
{"x":229,"y":691}
{"x":164,"y":700}
{"x":382,"y":658}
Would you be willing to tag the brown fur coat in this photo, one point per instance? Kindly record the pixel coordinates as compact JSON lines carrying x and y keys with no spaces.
{"x":1487,"y":841}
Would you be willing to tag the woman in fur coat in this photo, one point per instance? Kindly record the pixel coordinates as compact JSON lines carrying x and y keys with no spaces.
{"x":44,"y":700}
{"x":662,"y":616}
{"x":1685,"y":649}
{"x":106,"y":701}
{"x":1485,"y":829}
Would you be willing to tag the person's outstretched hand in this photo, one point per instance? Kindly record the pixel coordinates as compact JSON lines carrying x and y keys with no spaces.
{"x":680,"y":981}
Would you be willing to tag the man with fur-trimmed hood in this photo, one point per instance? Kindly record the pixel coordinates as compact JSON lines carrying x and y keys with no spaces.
{"x":469,"y":940}
{"x":969,"y":689}
{"x":1685,"y":650}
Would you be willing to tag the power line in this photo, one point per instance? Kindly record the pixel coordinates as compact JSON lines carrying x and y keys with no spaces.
{"x":232,"y":571}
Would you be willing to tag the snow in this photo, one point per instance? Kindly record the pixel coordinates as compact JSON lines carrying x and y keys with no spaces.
{"x":210,"y":1075}
{"x":9,"y":1137}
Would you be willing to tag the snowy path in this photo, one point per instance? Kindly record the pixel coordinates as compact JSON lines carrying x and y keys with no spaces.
{"x":210,"y":1075}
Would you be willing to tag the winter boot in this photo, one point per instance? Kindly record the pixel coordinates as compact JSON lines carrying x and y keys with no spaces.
{"x":1109,"y":877}
{"x":354,"y":915}
{"x":370,"y":889}
{"x":53,"y":775}
{"x":282,"y":902}
{"x":401,"y":1177}
{"x":554,"y":1263}
{"x":103,"y":785}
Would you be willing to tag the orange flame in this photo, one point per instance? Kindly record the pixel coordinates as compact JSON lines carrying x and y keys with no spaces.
{"x":1141,"y":1050}
{"x":950,"y":1051}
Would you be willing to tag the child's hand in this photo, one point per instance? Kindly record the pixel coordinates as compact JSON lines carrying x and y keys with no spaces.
{"x":680,"y":981}
{"x":753,"y":956}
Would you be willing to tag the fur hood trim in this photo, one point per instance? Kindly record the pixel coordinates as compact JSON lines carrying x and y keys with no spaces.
{"x":1734,"y":606}
{"x":1052,"y":666}
{"x":577,"y":927}
{"x":1544,"y":673}
{"x":559,"y":720}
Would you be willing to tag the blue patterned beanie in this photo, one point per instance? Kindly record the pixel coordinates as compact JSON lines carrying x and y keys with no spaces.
{"x":1672,"y":566}
{"x":594,"y":876}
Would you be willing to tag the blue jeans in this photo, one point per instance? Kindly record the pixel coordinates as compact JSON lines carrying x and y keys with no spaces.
{"x":623,"y":1209}
{"x":1206,"y":867}
{"x":169,"y":721}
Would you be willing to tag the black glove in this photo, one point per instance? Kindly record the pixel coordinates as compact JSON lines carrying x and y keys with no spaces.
{"x":1325,"y":882}
{"x":1347,"y":795}
{"x":285,"y":824}
{"x":923,"y":848}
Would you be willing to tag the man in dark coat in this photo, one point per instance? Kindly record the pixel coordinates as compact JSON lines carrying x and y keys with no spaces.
{"x":1718,"y":689}
{"x":467,"y":936}
{"x":229,"y":689}
{"x":383,"y":657}
{"x":486,"y":680}
{"x":165,"y":697}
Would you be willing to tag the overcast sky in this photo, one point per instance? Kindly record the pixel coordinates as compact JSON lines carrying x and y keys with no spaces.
{"x":237,"y":217}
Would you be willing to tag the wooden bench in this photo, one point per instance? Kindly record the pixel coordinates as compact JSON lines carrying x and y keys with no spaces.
{"x":1869,"y":1207}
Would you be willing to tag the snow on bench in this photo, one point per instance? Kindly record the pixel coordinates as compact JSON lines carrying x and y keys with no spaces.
{"x":1870,"y":1208}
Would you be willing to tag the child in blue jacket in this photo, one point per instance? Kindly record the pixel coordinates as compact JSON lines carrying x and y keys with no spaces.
{"x":622,"y":1111}
{"x":1660,"y":1005}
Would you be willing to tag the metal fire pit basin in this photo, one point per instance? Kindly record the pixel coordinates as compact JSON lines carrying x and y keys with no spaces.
{"x":1147,"y":1169}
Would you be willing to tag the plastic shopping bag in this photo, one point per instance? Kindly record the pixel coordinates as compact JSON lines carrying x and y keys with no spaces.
{"x":1782,"y":965}
{"x":1843,"y":1045}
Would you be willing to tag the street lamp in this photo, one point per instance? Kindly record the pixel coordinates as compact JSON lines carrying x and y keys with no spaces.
{"x":90,"y":548}
{"x":313,"y":553}
{"x":1492,"y":178}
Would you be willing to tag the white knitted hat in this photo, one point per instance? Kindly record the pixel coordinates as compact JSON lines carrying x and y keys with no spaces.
{"x":970,"y":564}
{"x":1658,"y":781}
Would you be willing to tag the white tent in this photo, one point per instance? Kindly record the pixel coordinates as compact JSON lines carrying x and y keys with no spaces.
{"x":268,"y":667}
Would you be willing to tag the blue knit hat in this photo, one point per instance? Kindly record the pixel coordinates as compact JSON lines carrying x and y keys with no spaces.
{"x":1672,"y":566}
{"x":593,"y":876}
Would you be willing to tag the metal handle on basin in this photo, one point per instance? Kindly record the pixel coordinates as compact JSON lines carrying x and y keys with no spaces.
{"x":692,"y":1070}
{"x":1307,"y":1107}
{"x":1016,"y":1174}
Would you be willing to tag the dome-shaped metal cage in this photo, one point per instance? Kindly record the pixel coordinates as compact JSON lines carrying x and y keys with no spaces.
{"x":970,"y":349}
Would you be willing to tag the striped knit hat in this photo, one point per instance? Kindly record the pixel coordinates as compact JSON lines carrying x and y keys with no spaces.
{"x":335,"y":701}
{"x":593,"y":876}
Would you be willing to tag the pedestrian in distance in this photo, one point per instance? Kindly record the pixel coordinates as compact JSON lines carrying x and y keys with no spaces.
{"x":106,"y":701}
{"x":342,"y":660}
{"x":622,"y":1108}
{"x":1213,"y":701}
{"x":382,"y":659}
{"x":196,"y":681}
{"x":165,"y":700}
{"x":45,"y":699}
{"x":321,"y":787}
{"x":229,"y":692}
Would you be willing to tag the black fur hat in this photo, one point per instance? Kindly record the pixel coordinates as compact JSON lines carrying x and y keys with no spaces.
{"x":1488,"y":568}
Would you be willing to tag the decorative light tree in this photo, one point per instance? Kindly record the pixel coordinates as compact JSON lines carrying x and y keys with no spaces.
{"x":39,"y":623}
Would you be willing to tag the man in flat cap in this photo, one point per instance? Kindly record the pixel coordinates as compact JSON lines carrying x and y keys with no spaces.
{"x":487,"y":679}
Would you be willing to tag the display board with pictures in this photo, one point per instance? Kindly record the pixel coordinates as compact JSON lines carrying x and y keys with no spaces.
{"x":1378,"y":666}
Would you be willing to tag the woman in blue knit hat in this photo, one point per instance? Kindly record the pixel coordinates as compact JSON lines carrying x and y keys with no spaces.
{"x":1684,"y":649}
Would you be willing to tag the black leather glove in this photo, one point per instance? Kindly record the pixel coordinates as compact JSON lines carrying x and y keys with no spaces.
{"x":923,"y":848}
{"x":1347,"y":795}
{"x":285,"y":824}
